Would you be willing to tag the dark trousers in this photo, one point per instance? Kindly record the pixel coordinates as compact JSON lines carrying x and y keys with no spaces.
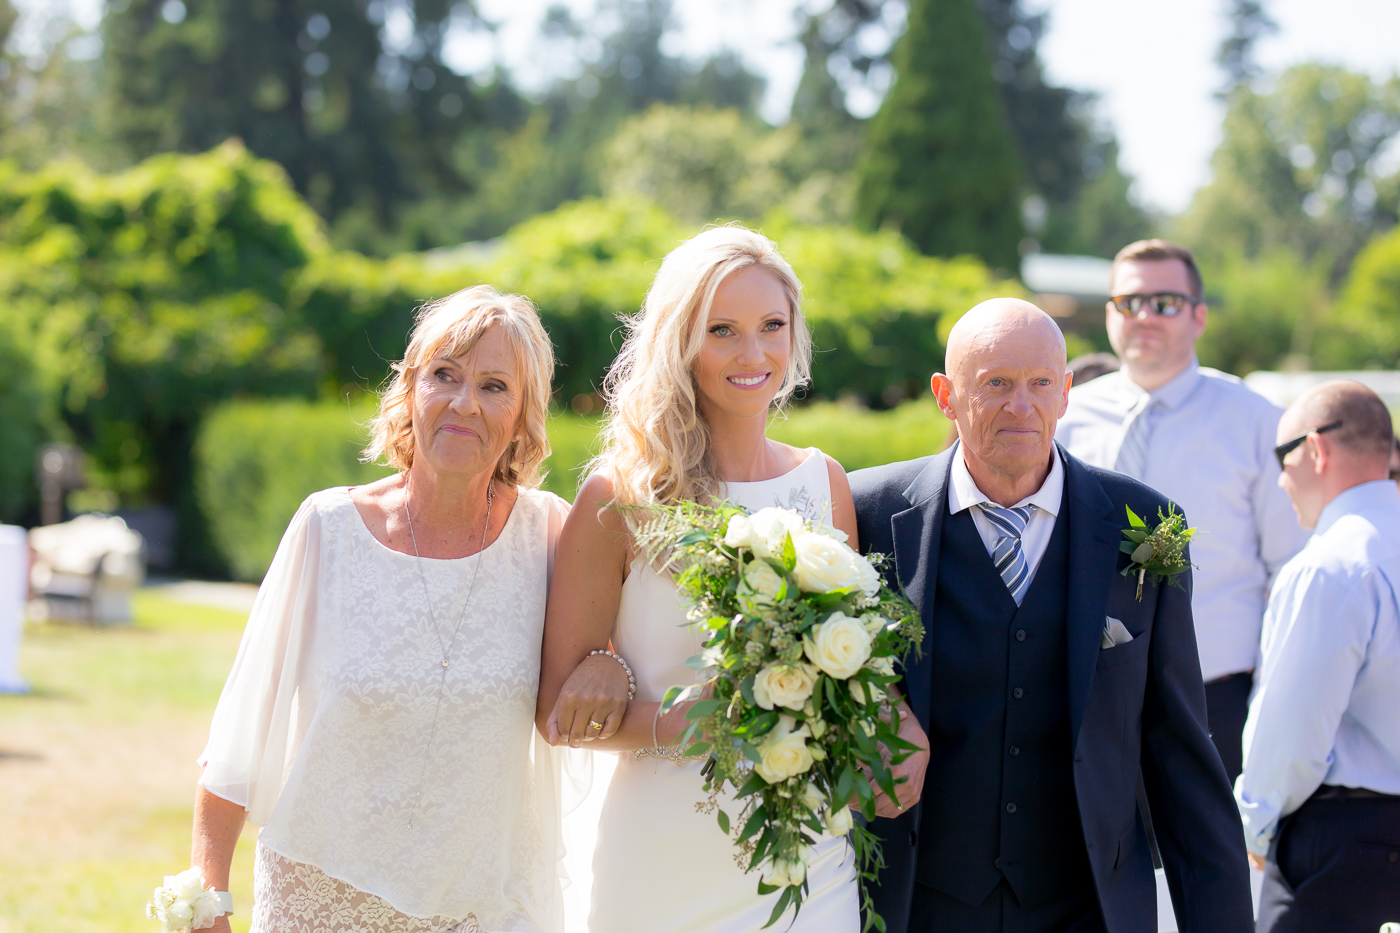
{"x":936,"y":912}
{"x":1335,"y":866}
{"x":1227,"y":707}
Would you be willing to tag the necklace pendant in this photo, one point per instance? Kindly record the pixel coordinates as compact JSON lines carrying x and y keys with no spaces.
{"x":444,"y":665}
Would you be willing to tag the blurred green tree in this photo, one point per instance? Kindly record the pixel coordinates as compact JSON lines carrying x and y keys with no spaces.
{"x":353,"y":99}
{"x":155,"y":293}
{"x":1364,"y":331}
{"x":1300,"y":168}
{"x":940,"y":163}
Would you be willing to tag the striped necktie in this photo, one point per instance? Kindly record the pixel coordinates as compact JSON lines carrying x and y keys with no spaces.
{"x":1132,"y":455}
{"x":1010,"y":560}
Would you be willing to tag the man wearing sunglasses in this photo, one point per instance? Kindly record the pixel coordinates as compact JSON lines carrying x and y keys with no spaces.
{"x":1320,"y":793}
{"x":1205,"y":440}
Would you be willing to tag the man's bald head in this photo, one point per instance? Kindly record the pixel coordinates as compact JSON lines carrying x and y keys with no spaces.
{"x":1366,"y":432}
{"x":1006,"y":388}
{"x":997,"y":321}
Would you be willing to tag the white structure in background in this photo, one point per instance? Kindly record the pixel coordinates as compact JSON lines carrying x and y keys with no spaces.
{"x":14,"y":567}
{"x":1283,"y":388}
{"x":85,"y":569}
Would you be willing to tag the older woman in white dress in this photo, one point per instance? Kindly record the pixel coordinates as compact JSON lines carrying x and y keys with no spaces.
{"x":719,"y":344}
{"x":378,"y":722}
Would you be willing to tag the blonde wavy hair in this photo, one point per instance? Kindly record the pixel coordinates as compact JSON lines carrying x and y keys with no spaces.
{"x":448,"y":328}
{"x":656,"y":445}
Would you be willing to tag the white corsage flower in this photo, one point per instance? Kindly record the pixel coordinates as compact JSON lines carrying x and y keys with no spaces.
{"x":825,"y":564}
{"x":784,"y":752}
{"x":839,"y":646}
{"x":839,"y":822}
{"x":788,"y":685}
{"x":183,"y":904}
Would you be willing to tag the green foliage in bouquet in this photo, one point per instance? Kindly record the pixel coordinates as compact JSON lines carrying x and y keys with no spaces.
{"x":793,"y":709}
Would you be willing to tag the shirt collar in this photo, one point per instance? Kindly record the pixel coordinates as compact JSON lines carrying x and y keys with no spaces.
{"x":1359,"y":498}
{"x":964,"y":494}
{"x":1174,"y":392}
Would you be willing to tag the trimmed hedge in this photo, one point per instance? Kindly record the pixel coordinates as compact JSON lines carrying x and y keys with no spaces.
{"x":257,"y":461}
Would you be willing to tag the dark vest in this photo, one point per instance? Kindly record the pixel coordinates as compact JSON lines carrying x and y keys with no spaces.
{"x":999,"y":797}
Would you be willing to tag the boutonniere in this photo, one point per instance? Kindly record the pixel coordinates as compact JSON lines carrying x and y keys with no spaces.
{"x":1160,"y":552}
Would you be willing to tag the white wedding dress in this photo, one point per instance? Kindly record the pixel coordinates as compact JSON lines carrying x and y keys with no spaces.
{"x":659,"y":865}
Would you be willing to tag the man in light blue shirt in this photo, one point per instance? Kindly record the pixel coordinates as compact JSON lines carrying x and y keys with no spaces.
{"x":1320,"y":792}
{"x":1205,"y":440}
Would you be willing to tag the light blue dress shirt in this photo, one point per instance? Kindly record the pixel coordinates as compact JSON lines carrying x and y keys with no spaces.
{"x":1327,"y":710}
{"x":1211,"y":451}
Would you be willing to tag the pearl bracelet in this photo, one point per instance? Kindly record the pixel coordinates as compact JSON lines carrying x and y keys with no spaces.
{"x":631,"y":681}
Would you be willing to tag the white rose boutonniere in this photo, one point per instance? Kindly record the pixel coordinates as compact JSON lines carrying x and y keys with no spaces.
{"x":784,"y":751}
{"x":788,"y":685}
{"x":839,"y":646}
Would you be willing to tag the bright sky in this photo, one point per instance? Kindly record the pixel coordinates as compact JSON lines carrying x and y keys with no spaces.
{"x":1151,"y":63}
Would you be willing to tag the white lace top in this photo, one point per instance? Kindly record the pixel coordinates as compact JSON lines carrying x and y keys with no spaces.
{"x":322,"y":731}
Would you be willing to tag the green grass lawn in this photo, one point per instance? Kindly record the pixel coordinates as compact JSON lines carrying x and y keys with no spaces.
{"x":97,"y":767}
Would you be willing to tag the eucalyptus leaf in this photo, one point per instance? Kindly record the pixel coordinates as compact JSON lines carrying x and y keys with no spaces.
{"x":1143,"y":553}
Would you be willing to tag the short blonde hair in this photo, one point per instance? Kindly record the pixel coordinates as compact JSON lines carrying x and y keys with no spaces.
{"x":448,"y":328}
{"x":656,"y":445}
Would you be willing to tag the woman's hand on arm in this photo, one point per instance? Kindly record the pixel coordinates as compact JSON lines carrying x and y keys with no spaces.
{"x":589,"y":566}
{"x":217,"y":826}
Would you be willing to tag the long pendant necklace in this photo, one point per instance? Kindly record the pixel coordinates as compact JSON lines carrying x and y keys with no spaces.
{"x":437,"y":630}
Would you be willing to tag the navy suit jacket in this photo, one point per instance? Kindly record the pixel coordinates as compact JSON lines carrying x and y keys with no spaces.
{"x":1139,"y":705}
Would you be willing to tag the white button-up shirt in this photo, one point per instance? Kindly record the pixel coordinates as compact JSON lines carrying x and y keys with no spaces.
{"x":1211,"y":452}
{"x":1327,"y":710}
{"x":1035,"y":539}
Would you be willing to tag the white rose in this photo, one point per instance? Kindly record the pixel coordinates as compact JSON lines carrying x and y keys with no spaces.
{"x":784,"y":685}
{"x":813,"y":797}
{"x":883,"y":666}
{"x":784,"y":873}
{"x":839,"y":822}
{"x":739,"y":531}
{"x":765,"y":582}
{"x":187,"y":884}
{"x":206,"y":910}
{"x":784,"y":752}
{"x":825,"y":564}
{"x":770,"y":527}
{"x":865,"y":693}
{"x":839,"y":646}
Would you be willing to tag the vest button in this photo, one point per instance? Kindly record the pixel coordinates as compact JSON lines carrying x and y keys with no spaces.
{"x":996,"y":862}
{"x":1011,"y":808}
{"x":1015,"y":750}
{"x":1020,"y":634}
{"x":1018,"y":693}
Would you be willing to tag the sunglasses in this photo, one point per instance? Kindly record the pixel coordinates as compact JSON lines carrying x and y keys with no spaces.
{"x":1166,"y":304}
{"x":1287,"y":447}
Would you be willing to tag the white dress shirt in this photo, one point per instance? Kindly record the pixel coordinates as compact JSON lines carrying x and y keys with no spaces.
{"x":1211,"y":451}
{"x":964,"y":494}
{"x":1328,"y":706}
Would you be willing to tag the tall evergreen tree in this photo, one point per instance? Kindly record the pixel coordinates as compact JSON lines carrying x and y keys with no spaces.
{"x":941,"y":164}
{"x":1249,"y":22}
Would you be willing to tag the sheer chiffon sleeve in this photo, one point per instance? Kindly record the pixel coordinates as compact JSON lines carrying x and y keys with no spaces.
{"x":248,"y":753}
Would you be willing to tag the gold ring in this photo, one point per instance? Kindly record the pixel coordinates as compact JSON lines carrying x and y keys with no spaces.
{"x":594,"y":724}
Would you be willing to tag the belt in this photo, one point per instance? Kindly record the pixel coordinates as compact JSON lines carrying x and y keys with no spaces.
{"x":1337,"y":792}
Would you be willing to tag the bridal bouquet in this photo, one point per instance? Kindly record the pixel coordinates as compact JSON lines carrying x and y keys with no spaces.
{"x":793,"y":709}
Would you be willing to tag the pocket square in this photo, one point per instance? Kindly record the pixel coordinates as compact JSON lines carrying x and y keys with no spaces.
{"x":1114,"y":633}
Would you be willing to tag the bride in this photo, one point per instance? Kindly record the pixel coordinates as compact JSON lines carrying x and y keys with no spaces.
{"x":720,"y":342}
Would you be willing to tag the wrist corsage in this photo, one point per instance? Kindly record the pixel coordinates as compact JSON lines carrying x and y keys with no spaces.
{"x":1158,"y":553}
{"x":183,"y":903}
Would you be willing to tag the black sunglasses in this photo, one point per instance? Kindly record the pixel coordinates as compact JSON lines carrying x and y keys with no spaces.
{"x":1166,"y":304}
{"x":1287,"y":447}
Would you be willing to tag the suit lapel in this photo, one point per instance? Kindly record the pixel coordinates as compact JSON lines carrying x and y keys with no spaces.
{"x":916,"y":533}
{"x":1094,"y":536}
